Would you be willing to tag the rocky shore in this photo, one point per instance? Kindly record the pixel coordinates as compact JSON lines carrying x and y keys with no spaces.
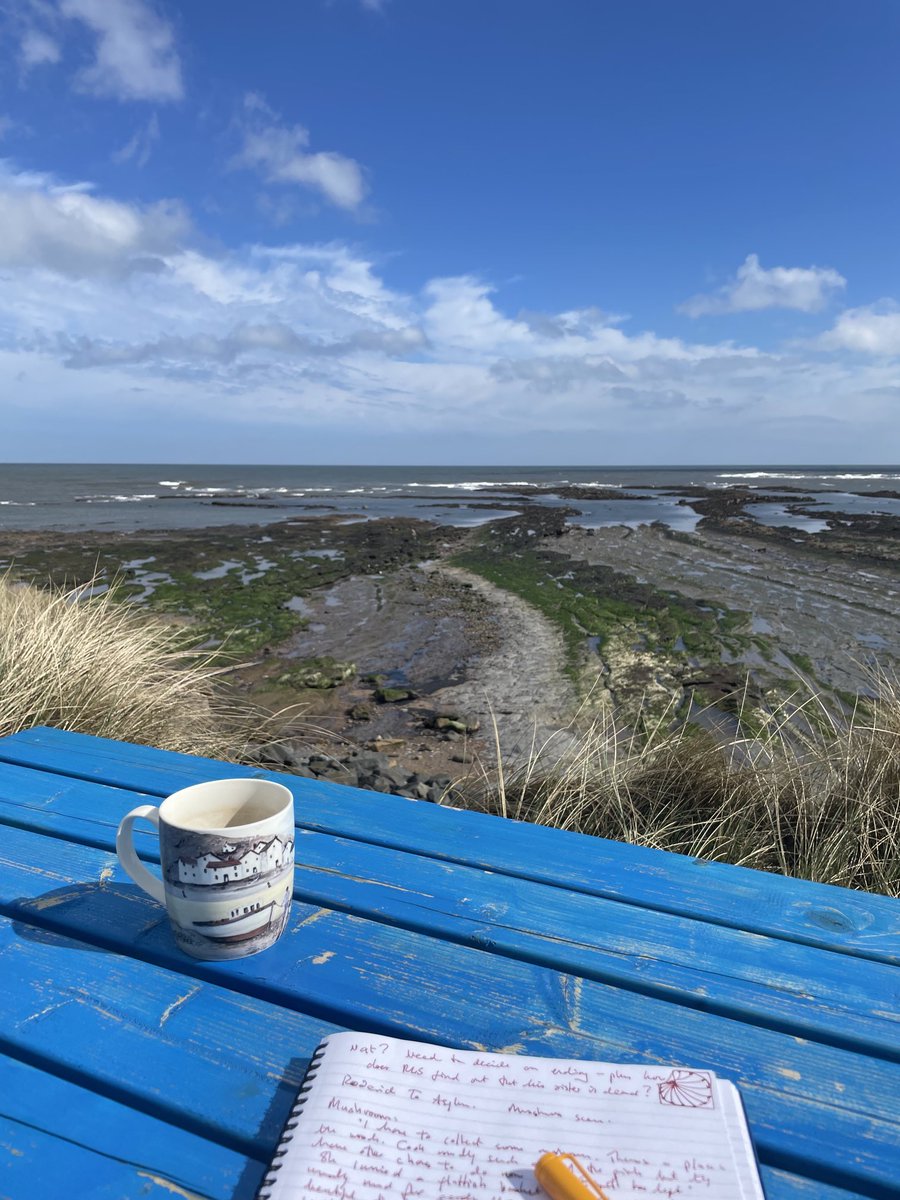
{"x":401,"y":644}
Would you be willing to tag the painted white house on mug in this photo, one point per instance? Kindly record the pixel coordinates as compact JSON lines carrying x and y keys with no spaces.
{"x":264,"y":858}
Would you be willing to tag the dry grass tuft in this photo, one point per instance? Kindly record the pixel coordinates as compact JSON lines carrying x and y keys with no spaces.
{"x":97,"y":666}
{"x":806,"y":796}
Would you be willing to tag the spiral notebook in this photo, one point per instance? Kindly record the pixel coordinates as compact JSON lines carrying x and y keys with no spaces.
{"x":380,"y":1118}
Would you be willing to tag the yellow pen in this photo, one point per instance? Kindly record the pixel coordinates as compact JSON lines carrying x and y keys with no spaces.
{"x":554,"y":1172}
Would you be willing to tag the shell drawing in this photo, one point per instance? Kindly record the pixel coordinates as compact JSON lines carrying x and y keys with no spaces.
{"x":686,"y":1089}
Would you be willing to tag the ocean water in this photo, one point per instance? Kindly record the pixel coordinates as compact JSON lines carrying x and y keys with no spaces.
{"x":70,"y":497}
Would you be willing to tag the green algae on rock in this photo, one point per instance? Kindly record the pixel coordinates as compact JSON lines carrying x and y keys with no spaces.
{"x":323,"y":672}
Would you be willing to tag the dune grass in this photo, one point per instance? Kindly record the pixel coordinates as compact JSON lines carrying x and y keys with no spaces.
{"x":817,"y":798}
{"x":97,"y":666}
{"x":809,"y":794}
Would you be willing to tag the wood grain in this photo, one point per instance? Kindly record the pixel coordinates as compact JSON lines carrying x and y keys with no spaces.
{"x":425,"y":922}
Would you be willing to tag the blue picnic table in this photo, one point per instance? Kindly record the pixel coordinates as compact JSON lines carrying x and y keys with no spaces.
{"x":128,"y":1070}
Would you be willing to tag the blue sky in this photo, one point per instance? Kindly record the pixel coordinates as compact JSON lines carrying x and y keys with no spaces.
{"x":493,"y":231}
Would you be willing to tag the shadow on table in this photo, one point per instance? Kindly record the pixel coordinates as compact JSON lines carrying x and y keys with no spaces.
{"x":81,"y":914}
{"x":108,"y":918}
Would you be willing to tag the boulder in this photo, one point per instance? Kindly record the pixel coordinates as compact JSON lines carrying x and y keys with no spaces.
{"x":458,"y":722}
{"x":319,"y":673}
{"x":393,"y":695}
{"x":398,"y":777}
{"x":338,"y":773}
{"x":277,"y":753}
{"x":387,"y":744}
{"x":369,"y":760}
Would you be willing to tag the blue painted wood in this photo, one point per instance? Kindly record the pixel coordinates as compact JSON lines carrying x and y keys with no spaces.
{"x":814,"y":914}
{"x":192,"y":1054}
{"x":815,"y":1110}
{"x":39,"y":1166}
{"x":59,"y":1140}
{"x":782,"y":1184}
{"x":783,"y":985}
{"x":825,"y":1113}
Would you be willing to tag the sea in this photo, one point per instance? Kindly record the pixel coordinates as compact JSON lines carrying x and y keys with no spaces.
{"x":133,"y":497}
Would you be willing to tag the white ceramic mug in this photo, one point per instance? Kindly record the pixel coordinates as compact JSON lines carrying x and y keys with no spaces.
{"x":227,"y":854}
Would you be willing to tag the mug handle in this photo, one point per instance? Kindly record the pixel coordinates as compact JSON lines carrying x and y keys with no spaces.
{"x":132,"y":865}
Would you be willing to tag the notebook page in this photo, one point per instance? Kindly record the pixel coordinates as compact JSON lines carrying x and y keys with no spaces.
{"x":394,"y":1120}
{"x":742,"y":1147}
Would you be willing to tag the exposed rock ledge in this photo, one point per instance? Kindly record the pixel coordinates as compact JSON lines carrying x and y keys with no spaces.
{"x":521,"y":681}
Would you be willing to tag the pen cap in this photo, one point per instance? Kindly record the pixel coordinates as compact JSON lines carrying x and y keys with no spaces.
{"x":558,"y":1180}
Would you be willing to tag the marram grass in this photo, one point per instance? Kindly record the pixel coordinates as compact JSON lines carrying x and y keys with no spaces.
{"x":816,"y":798}
{"x":100,"y":667}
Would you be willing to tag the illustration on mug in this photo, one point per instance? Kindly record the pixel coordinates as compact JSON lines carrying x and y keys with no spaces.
{"x":228,"y":896}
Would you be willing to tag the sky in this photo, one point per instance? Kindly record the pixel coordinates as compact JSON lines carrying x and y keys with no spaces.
{"x":415,"y":231}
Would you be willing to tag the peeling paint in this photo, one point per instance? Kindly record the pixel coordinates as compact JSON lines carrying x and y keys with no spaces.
{"x":167,"y":1012}
{"x":91,"y":1001}
{"x":323,"y":957}
{"x":32,"y":869}
{"x":312,"y":918}
{"x":169,"y":1186}
{"x":789,"y":1074}
{"x":574,"y":1001}
{"x":45,"y":1012}
{"x":39,"y":903}
{"x":106,"y":874}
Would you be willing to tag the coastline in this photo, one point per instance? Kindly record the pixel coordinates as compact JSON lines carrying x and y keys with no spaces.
{"x":525,"y":617}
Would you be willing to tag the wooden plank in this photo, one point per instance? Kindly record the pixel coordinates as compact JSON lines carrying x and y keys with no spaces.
{"x":39,"y":1166}
{"x":224,"y":1066}
{"x":815,"y":1110}
{"x":58,"y":1139}
{"x":783,"y":985}
{"x":786,"y":1186}
{"x":855,"y":923}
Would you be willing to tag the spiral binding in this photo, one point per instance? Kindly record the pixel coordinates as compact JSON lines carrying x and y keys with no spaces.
{"x":270,"y":1178}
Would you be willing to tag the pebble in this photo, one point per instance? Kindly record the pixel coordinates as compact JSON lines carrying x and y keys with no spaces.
{"x":367,"y":769}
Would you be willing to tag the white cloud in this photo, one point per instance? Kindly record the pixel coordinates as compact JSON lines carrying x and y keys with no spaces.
{"x":140,"y":145}
{"x":37,"y":47}
{"x":279,"y":153}
{"x":755,"y":287}
{"x":103,"y":299}
{"x":70,"y":231}
{"x":871,"y":330}
{"x":460,"y":314}
{"x":135,"y":57}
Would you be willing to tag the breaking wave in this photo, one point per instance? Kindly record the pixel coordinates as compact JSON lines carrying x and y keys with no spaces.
{"x":475,"y":485}
{"x":808,"y":475}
